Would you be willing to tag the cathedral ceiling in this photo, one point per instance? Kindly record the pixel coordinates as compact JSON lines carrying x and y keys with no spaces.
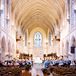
{"x":44,"y":13}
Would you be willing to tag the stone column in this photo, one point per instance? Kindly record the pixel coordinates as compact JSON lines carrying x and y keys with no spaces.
{"x":75,"y":53}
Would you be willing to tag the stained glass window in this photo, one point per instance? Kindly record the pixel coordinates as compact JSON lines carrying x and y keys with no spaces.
{"x":37,"y":40}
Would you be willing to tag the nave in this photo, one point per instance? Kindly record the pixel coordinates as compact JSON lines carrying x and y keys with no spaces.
{"x":38,"y":31}
{"x":36,"y":70}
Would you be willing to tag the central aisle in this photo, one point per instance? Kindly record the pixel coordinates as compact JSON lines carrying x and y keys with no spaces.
{"x":36,"y":70}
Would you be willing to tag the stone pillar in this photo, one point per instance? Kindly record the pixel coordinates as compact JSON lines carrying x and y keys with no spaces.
{"x":75,"y":53}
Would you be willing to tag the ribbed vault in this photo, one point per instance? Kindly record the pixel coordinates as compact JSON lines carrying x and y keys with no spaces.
{"x":45,"y":13}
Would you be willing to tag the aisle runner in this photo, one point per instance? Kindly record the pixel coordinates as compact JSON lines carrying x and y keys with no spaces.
{"x":36,"y":70}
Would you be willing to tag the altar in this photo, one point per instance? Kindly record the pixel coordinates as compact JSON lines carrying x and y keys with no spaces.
{"x":37,"y":60}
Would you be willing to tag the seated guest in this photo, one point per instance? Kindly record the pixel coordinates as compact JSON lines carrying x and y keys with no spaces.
{"x":26,"y":72}
{"x":20,"y":64}
{"x":1,"y":65}
{"x":46,"y":72}
{"x":68,"y":62}
{"x":75,"y":62}
{"x":46,"y":64}
{"x":56,"y":63}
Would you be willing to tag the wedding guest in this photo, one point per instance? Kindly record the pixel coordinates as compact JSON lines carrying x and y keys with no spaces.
{"x":26,"y":72}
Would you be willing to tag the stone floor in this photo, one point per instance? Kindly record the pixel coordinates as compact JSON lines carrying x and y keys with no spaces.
{"x":36,"y":70}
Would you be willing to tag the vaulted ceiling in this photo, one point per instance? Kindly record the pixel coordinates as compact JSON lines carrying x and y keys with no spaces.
{"x":43,"y":13}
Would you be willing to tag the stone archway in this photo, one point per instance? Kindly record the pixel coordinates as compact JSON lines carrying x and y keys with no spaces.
{"x":73,"y":46}
{"x":37,"y":38}
{"x":73,"y":41}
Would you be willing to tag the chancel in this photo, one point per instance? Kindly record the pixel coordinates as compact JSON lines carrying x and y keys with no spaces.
{"x":37,"y":35}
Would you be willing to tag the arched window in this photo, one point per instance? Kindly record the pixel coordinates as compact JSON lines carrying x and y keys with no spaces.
{"x":37,"y":40}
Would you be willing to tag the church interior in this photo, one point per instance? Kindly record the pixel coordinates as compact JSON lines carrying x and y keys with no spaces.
{"x":37,"y":30}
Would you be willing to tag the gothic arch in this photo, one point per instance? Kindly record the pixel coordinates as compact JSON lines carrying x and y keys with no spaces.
{"x":73,"y":41}
{"x":37,"y":39}
{"x":37,"y":29}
